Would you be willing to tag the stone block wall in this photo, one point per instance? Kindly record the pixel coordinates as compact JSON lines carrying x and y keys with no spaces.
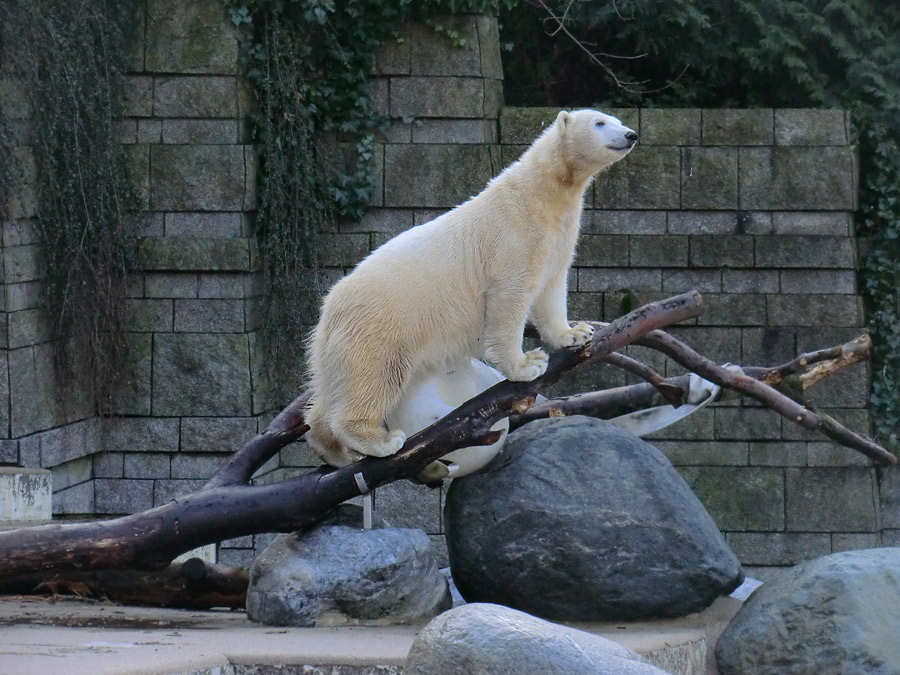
{"x":751,"y":207}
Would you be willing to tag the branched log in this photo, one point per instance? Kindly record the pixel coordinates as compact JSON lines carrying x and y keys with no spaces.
{"x":223,"y":510}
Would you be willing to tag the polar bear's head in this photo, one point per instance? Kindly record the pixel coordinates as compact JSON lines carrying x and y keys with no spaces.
{"x":591,"y":140}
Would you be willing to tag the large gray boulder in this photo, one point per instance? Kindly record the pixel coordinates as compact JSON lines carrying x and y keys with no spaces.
{"x":482,"y":638}
{"x":338,"y":574}
{"x":579,"y":520}
{"x":835,"y":614}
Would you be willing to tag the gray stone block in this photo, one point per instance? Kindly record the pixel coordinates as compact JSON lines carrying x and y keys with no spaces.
{"x":807,"y":126}
{"x":520,"y":126}
{"x":404,"y":504}
{"x":830,"y":454}
{"x":22,"y":202}
{"x":452,"y":131}
{"x":23,"y":263}
{"x":193,"y":37}
{"x":602,"y":251}
{"x":120,"y":496}
{"x":806,"y":252}
{"x":170,"y":285}
{"x":34,"y":400}
{"x":854,"y":541}
{"x":767,"y":346}
{"x":703,"y":222}
{"x":9,"y":450}
{"x":19,"y":232}
{"x":185,"y":254}
{"x":140,"y":434}
{"x":778,"y":453}
{"x":131,"y":391}
{"x":649,"y":178}
{"x":109,"y":465}
{"x":196,"y":466}
{"x":697,"y":427}
{"x":797,"y":178}
{"x":814,"y":310}
{"x":721,"y":251}
{"x":209,"y":315}
{"x":225,"y":285}
{"x":750,"y":281}
{"x":146,"y":465}
{"x":818,"y":281}
{"x":197,"y":374}
{"x":165,"y":491}
{"x":853,"y":418}
{"x":778,"y":548}
{"x":738,"y":127}
{"x":14,"y":101}
{"x":137,"y":158}
{"x":811,"y":506}
{"x":148,"y":131}
{"x":585,"y":306}
{"x":593,"y":279}
{"x":434,"y":54}
{"x":489,"y":41}
{"x":75,"y":501}
{"x":751,"y":424}
{"x":738,"y":309}
{"x":839,"y":224}
{"x":393,"y":57}
{"x":657,"y":251}
{"x":596,"y":221}
{"x":146,"y":315}
{"x":461,"y":97}
{"x":709,"y":178}
{"x":127,"y":131}
{"x":216,"y":434}
{"x":137,"y":93}
{"x":384,"y":221}
{"x":889,"y":497}
{"x":27,"y":327}
{"x":26,"y":295}
{"x":196,"y":97}
{"x":201,"y":132}
{"x":341,"y":250}
{"x":199,"y":178}
{"x":446,"y":175}
{"x":705,"y":453}
{"x":212,"y":224}
{"x":740,"y":498}
{"x":681,"y":281}
{"x":722,"y":345}
{"x":670,"y":126}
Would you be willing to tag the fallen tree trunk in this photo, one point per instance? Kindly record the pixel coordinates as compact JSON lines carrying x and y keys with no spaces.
{"x":229,"y":508}
{"x":193,"y":584}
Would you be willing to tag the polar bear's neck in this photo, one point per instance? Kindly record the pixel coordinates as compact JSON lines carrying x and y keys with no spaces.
{"x":543,"y":169}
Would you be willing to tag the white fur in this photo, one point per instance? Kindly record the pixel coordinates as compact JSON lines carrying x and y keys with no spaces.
{"x":461,"y":285}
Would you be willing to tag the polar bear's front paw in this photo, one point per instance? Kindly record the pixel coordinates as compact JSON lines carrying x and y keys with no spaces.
{"x":391,"y":446}
{"x":575,"y":336}
{"x":532,"y":366}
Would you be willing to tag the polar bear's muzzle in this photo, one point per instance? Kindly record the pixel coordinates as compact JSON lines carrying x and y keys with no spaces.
{"x":631,"y":139}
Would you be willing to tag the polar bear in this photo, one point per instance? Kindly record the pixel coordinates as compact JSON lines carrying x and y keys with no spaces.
{"x":459,"y":286}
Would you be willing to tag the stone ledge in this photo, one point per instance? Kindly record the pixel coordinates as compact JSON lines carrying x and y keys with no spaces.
{"x":197,"y":254}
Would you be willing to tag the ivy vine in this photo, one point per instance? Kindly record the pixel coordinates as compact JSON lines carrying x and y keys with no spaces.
{"x":310,"y":64}
{"x":62,"y":151}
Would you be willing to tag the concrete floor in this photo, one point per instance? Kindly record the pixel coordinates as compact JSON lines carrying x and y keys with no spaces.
{"x":48,"y":636}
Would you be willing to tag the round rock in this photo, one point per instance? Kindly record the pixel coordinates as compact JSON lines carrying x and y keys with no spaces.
{"x":338,"y":574}
{"x":484,"y":638}
{"x":831,"y":615}
{"x":579,"y":520}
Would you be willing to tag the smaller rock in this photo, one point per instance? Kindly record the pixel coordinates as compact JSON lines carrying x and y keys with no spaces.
{"x":484,"y":638}
{"x":832,"y":615}
{"x":338,"y":574}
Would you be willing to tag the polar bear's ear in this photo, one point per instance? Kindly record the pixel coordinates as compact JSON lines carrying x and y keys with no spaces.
{"x":563,"y":119}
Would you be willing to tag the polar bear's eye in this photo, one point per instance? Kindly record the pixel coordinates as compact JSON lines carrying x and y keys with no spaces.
{"x":600,"y":123}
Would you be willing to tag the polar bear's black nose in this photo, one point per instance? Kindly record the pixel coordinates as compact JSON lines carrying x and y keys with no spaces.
{"x":631,"y":137}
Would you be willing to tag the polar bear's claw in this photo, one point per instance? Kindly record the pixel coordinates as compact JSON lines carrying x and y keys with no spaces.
{"x":391,"y":446}
{"x":576,"y":336}
{"x":533,"y":366}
